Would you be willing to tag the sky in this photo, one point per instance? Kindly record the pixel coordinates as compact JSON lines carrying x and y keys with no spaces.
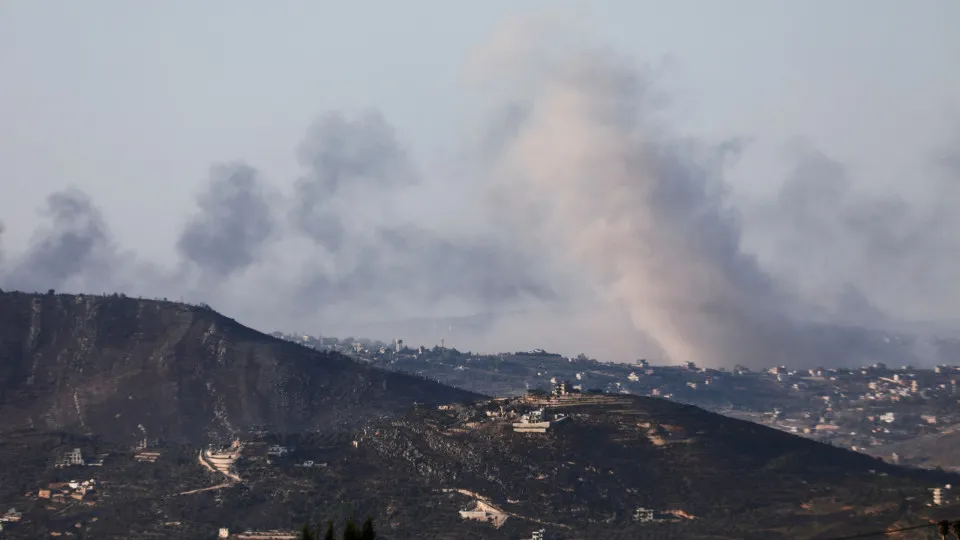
{"x":681,"y":180}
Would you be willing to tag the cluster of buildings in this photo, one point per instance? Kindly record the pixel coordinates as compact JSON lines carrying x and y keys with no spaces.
{"x":75,"y":491}
{"x":75,"y":458}
{"x":538,"y":421}
{"x":853,"y":407}
{"x":859,"y":408}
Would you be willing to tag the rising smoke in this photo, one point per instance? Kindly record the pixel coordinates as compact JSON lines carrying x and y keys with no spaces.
{"x":865,"y":255}
{"x":234,"y":221}
{"x":603,"y":232}
{"x":641,"y":215}
{"x":71,"y":250}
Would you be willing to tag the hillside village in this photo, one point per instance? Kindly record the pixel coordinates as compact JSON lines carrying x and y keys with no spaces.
{"x":863,"y":409}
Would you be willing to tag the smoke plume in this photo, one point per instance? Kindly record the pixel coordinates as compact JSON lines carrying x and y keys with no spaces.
{"x":863,"y":255}
{"x":74,"y":244}
{"x":599,"y":230}
{"x":234,"y":221}
{"x":350,"y":166}
{"x":642,"y":215}
{"x":352,"y":203}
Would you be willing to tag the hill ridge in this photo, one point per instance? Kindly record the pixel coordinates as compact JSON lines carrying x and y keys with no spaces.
{"x":90,"y":362}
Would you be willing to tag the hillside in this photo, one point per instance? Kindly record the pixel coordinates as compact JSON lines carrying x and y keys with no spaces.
{"x":934,"y":450}
{"x":703,"y":474}
{"x":109,"y":365}
{"x":99,"y":373}
{"x":697,"y":474}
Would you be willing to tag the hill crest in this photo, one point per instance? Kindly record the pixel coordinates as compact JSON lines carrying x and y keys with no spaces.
{"x":126,"y":368}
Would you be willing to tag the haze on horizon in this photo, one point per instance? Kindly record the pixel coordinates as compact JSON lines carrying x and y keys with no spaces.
{"x":679,"y":182}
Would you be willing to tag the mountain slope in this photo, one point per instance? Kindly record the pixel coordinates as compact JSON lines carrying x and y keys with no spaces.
{"x":700,"y":474}
{"x":108,"y":365}
{"x":618,"y":453}
{"x":934,"y":450}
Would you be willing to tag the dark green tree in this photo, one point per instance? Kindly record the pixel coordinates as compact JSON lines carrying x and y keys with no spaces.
{"x":329,"y":534}
{"x":306,"y":533}
{"x":367,"y":532}
{"x":351,"y":531}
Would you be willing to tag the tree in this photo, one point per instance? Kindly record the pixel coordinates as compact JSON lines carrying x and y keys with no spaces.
{"x":350,"y":531}
{"x":367,"y":533}
{"x":306,"y":533}
{"x":329,"y":534}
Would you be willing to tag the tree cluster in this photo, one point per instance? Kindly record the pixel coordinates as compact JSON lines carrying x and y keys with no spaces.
{"x":350,"y":531}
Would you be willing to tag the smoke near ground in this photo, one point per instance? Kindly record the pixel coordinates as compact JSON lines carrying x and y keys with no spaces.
{"x":579,"y":223}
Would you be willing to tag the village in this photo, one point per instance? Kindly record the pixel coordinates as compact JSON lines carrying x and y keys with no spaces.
{"x":860,"y":408}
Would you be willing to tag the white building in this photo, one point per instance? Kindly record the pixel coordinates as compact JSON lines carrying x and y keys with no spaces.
{"x":74,"y":457}
{"x":643,"y":515}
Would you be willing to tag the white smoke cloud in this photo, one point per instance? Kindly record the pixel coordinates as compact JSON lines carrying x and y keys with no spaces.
{"x":590,"y":178}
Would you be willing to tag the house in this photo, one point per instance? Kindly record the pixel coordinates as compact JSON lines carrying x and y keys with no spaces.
{"x":12,"y":516}
{"x":643,"y":515}
{"x":73,"y":457}
{"x":277,"y":450}
{"x":563,"y":388}
{"x":937,"y":496}
{"x":147,"y":457}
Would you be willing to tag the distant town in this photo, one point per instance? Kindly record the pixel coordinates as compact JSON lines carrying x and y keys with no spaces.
{"x":865,"y":409}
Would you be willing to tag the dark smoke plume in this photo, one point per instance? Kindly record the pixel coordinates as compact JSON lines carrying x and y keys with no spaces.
{"x":233,"y":222}
{"x":75,"y":242}
{"x":346,"y":161}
